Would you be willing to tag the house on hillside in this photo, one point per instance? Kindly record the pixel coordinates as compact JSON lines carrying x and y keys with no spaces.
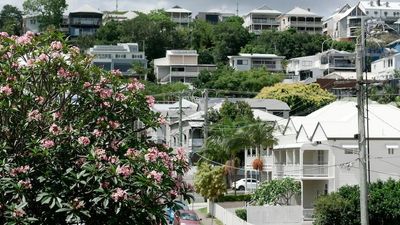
{"x":385,"y":68}
{"x":214,"y":17}
{"x":247,"y":61}
{"x":84,"y":21}
{"x":301,"y":20}
{"x":179,"y":66}
{"x":316,"y":66}
{"x":321,"y":149}
{"x":180,"y":15}
{"x":120,"y":57}
{"x":260,"y":19}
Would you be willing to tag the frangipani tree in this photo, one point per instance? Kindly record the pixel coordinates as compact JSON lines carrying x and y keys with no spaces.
{"x":70,"y":147}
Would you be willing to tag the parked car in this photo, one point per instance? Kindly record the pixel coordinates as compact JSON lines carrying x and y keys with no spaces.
{"x":186,"y":217}
{"x":170,"y":212}
{"x":241,"y":184}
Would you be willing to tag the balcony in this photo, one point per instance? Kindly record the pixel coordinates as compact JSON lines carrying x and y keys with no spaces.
{"x":184,"y":74}
{"x":197,"y":142}
{"x":265,"y":22}
{"x":283,"y":170}
{"x":315,"y":170}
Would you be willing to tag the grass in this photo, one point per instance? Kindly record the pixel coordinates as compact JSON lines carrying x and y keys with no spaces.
{"x":203,"y":210}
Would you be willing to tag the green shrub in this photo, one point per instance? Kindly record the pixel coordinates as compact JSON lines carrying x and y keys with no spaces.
{"x":241,"y":213}
{"x":233,"y":198}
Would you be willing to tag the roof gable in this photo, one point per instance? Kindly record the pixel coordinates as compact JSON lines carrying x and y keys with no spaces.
{"x":302,"y":135}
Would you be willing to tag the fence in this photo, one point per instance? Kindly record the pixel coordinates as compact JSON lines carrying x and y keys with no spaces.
{"x":227,"y":217}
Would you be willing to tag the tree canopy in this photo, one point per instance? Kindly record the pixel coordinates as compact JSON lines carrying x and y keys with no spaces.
{"x":277,"y":192}
{"x":343,"y":207}
{"x":209,"y":181}
{"x":11,"y":20}
{"x":292,"y":44}
{"x":226,"y":78}
{"x":50,"y":13}
{"x":301,"y":98}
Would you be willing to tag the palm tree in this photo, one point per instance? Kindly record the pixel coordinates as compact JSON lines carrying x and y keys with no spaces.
{"x":261,"y":137}
{"x":225,"y":143}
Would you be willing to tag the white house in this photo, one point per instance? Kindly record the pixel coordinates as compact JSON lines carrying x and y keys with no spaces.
{"x":118,"y":16}
{"x":384,"y":68}
{"x":346,"y":21}
{"x":321,"y":149}
{"x":247,"y":61}
{"x":180,"y":15}
{"x":260,"y":19}
{"x":121,"y":57}
{"x":316,"y":66}
{"x":301,"y":20}
{"x":179,"y":66}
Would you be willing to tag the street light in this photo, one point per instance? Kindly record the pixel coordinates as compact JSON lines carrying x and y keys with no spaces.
{"x":322,"y":50}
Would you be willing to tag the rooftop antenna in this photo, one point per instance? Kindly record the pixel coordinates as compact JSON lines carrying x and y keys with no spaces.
{"x":237,"y":7}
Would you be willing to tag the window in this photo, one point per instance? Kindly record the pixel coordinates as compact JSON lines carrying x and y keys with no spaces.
{"x":391,"y":149}
{"x":242,"y":62}
{"x":33,"y":21}
{"x":376,"y":12}
{"x":120,"y":56}
{"x":390,"y":62}
{"x":386,"y":13}
{"x":350,"y":149}
{"x":134,"y":56}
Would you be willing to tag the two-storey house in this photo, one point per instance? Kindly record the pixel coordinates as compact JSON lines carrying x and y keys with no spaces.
{"x":84,"y":21}
{"x":247,"y":61}
{"x":321,"y":149}
{"x":260,"y":19}
{"x":301,"y":20}
{"x":122,"y":57}
{"x":312,"y":67}
{"x":180,"y":15}
{"x":179,"y":66}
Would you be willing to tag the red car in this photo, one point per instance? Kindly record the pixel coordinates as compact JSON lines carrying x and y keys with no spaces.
{"x":186,"y":217}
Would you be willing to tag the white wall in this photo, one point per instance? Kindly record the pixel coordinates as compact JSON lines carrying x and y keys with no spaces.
{"x":275,"y":215}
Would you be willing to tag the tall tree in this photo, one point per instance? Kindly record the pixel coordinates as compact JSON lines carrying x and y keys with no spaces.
{"x":229,"y":37}
{"x":50,"y":13}
{"x":11,"y":20}
{"x":156,"y":31}
{"x":260,"y":136}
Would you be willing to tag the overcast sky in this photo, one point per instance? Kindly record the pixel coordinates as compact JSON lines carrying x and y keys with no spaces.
{"x":321,"y":7}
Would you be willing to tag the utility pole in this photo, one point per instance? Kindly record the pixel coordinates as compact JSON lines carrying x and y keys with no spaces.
{"x":361,"y":128}
{"x":237,"y":7}
{"x":180,"y":120}
{"x":205,"y":116}
{"x":116,"y":5}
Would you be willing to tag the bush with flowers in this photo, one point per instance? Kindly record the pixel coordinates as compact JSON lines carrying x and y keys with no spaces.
{"x":71,"y":147}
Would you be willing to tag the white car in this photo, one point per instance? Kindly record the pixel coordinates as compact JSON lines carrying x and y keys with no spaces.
{"x":241,"y":184}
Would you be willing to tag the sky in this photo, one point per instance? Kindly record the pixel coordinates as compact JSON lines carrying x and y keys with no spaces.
{"x":321,"y":7}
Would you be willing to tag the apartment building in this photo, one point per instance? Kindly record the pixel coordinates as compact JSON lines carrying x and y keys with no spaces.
{"x":260,"y":19}
{"x":247,"y":61}
{"x":179,"y":66}
{"x":120,"y":57}
{"x":180,"y":15}
{"x":302,"y":20}
{"x":84,"y":21}
{"x":312,"y":67}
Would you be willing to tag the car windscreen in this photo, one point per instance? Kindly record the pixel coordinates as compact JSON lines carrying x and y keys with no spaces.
{"x":189,"y":216}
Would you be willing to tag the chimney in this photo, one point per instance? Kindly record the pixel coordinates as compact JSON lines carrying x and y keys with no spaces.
{"x":378,"y":2}
{"x":308,"y":9}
